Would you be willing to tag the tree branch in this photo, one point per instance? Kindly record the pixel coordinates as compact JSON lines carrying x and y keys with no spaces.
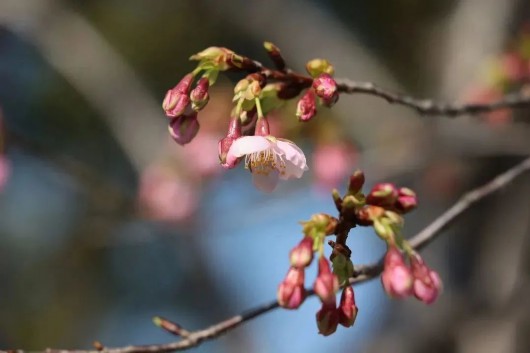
{"x":430,"y":107}
{"x":362,"y":273}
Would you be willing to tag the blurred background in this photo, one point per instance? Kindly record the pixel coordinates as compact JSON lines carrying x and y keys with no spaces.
{"x":105,"y":222}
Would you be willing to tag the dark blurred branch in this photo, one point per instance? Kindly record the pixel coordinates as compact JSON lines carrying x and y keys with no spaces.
{"x":363,"y":273}
{"x":431,"y":107}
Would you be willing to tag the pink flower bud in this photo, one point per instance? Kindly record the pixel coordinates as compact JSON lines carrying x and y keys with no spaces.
{"x":356,"y":182}
{"x":306,"y":107}
{"x":427,"y":283}
{"x":176,"y":100}
{"x":291,"y":292}
{"x":396,"y":278}
{"x":184,"y":128}
{"x":384,"y":194}
{"x":234,"y":132}
{"x":406,"y":200}
{"x":326,"y":283}
{"x":199,"y":95}
{"x":347,"y":308}
{"x":302,"y":254}
{"x":327,"y":319}
{"x":325,"y":87}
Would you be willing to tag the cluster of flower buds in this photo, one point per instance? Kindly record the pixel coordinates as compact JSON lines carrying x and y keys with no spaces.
{"x":181,"y":107}
{"x":291,"y":292}
{"x":259,"y":92}
{"x":400,"y":281}
{"x":323,"y":86}
{"x":382,"y":208}
{"x":388,"y":196}
{"x":326,"y":286}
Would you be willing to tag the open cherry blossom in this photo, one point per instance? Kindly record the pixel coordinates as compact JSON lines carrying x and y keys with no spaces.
{"x":269,"y":159}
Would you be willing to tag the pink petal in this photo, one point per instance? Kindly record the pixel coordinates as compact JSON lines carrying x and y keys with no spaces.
{"x":247,"y":145}
{"x":266,"y":182}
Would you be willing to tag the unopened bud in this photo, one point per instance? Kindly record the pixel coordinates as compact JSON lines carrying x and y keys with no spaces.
{"x":327,"y":319}
{"x":326,"y":283}
{"x":184,"y":128}
{"x":406,"y":201}
{"x":356,"y":182}
{"x":177,"y":100}
{"x":233,"y":133}
{"x":396,"y":277}
{"x":325,"y":87}
{"x":384,"y":194}
{"x":291,"y":292}
{"x":427,"y":283}
{"x":199,"y":95}
{"x":347,"y":307}
{"x":316,"y":67}
{"x":262,"y":127}
{"x":302,"y":254}
{"x":275,"y":55}
{"x":306,"y":107}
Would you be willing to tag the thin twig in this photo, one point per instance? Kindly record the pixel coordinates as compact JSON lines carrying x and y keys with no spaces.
{"x":430,"y":107}
{"x":363,"y":273}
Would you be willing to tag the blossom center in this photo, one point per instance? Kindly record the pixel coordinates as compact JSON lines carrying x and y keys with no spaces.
{"x":264,"y":162}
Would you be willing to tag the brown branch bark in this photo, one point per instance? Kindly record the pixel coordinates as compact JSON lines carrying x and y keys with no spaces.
{"x":363,"y":273}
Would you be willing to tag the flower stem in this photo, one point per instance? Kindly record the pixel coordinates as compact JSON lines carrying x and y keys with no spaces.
{"x":258,"y":108}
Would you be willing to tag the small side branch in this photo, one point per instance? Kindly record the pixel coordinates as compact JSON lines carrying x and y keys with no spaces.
{"x":363,"y":273}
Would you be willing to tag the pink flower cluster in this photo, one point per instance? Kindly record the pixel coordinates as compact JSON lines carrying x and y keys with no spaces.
{"x":388,"y":196}
{"x":182,"y":107}
{"x":324,"y":87}
{"x":291,"y":292}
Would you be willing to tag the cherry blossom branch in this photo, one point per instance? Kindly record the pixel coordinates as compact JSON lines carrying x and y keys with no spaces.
{"x":431,"y":107}
{"x":362,"y":274}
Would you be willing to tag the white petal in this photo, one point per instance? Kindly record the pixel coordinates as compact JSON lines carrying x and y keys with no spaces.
{"x":266,"y":182}
{"x":293,"y":154}
{"x":248,"y":144}
{"x":292,"y":171}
